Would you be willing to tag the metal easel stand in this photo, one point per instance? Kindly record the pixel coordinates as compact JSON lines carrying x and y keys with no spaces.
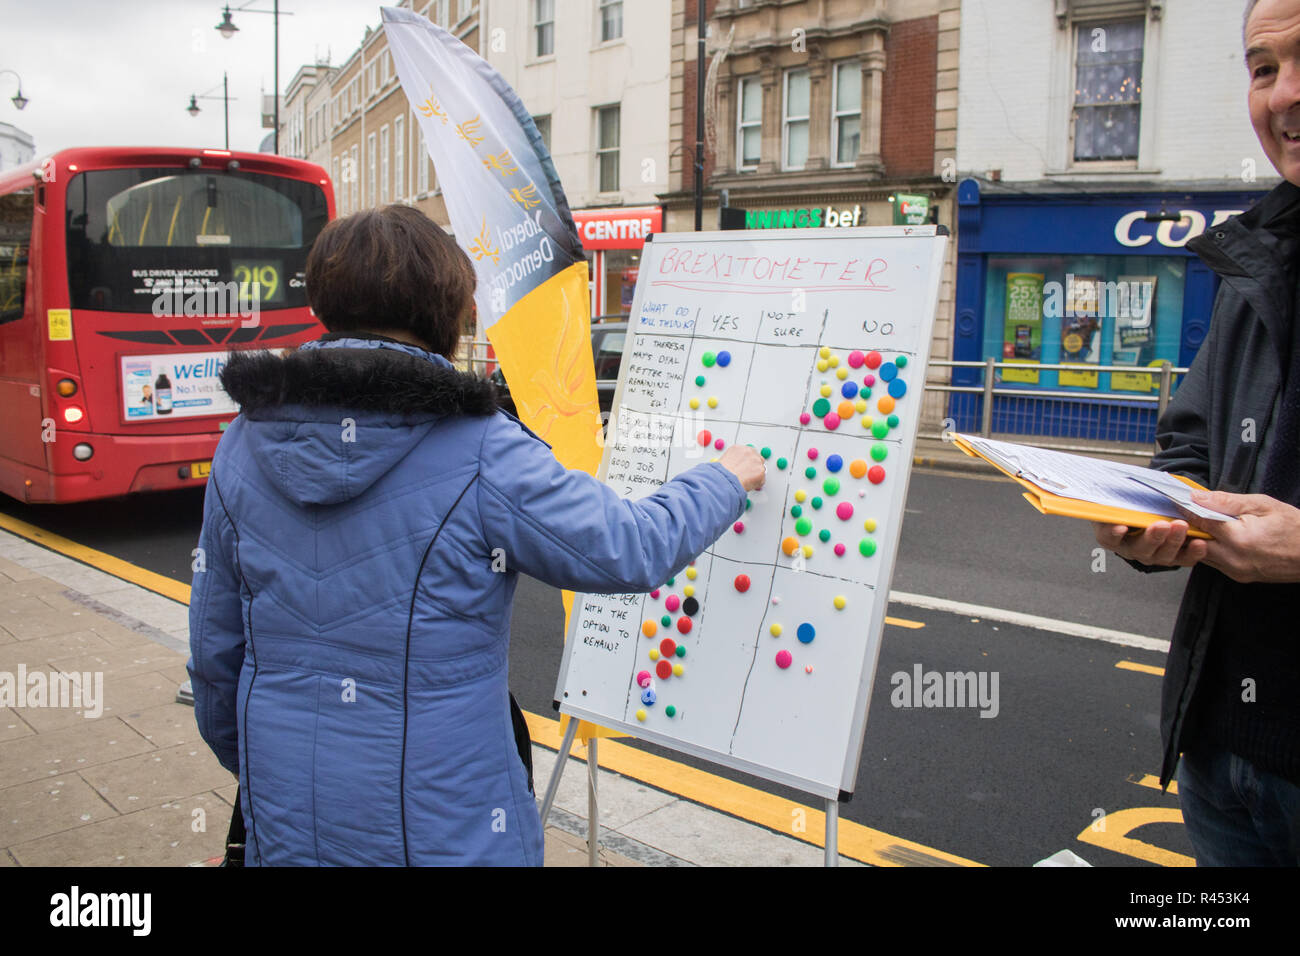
{"x":593,"y":811}
{"x":832,"y":832}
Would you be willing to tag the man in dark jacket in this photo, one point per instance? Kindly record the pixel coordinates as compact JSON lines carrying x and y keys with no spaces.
{"x":1230,"y":702}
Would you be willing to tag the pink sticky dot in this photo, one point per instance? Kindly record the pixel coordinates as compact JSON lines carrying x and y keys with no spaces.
{"x":783,"y":659}
{"x":719,"y":444}
{"x":869,"y":380}
{"x":812,"y":454}
{"x":673,"y":602}
{"x":844,"y":511}
{"x":643,"y":679}
{"x":839,"y":551}
{"x":655,"y":594}
{"x":831,"y":421}
{"x":739,"y":526}
{"x":805,"y":418}
{"x":855,"y":359}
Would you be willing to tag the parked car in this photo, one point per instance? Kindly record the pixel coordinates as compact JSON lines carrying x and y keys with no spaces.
{"x":607,"y":340}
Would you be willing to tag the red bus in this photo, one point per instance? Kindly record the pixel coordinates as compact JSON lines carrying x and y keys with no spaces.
{"x":126,"y":276}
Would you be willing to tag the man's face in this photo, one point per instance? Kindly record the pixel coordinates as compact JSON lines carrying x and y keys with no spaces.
{"x":1273,"y":59}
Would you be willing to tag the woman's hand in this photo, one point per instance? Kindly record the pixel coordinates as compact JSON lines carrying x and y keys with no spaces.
{"x":746,"y":464}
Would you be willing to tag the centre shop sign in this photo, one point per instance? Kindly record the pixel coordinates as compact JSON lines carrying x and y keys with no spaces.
{"x":1132,"y":230}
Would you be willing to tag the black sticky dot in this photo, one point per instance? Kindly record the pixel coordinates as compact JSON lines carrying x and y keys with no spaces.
{"x":690,"y":606}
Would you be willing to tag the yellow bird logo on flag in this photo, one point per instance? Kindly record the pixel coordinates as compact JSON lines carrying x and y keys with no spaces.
{"x":501,"y":163}
{"x":468,"y":131}
{"x":526,"y":197}
{"x":432,"y":108}
{"x":483,"y":246}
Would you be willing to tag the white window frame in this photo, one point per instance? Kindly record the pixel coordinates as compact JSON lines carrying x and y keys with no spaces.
{"x":741,"y":125}
{"x":601,"y":151}
{"x":550,"y":128}
{"x":537,"y":27}
{"x":371,"y":169}
{"x":385,"y":144}
{"x":354,"y":202}
{"x":399,"y":159}
{"x":601,"y":7}
{"x":1076,"y":26}
{"x":836,"y":115}
{"x":338,"y":188}
{"x":422,"y":164}
{"x":787,"y":121}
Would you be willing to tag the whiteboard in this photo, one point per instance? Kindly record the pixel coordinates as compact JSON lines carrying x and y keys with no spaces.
{"x":754,"y":328}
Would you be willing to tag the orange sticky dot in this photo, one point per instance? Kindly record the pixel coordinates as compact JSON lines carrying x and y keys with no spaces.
{"x":886,"y":404}
{"x":649,"y":628}
{"x":857,"y":468}
{"x":789,"y":546}
{"x":846,"y":409}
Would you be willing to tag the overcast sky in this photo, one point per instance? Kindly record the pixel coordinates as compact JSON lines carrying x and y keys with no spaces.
{"x":109,"y":72}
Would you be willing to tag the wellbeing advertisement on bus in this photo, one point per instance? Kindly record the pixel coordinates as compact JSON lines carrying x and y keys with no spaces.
{"x":179,"y":385}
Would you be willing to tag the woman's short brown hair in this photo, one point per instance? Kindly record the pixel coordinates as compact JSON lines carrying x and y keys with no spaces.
{"x":390,"y":268}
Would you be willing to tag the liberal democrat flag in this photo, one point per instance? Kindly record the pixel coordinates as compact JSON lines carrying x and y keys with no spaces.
{"x":510,"y":215}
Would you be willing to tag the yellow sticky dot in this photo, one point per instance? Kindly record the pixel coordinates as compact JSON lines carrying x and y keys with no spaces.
{"x":807,"y":551}
{"x":834,"y":360}
{"x":713,"y":401}
{"x":826,"y":391}
{"x":694,"y":403}
{"x":678,"y":670}
{"x":688,"y":591}
{"x":824,"y":352}
{"x":867,"y":421}
{"x":860,"y":405}
{"x":691,"y":573}
{"x":800,"y":496}
{"x":776,"y":630}
{"x":869,"y":524}
{"x":713,"y":459}
{"x":654,"y":653}
{"x":839,"y":602}
{"x":841,"y":373}
{"x":640,"y":715}
{"x":823,"y":365}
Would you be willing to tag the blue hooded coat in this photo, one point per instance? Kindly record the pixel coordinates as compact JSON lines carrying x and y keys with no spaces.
{"x":349,"y":632}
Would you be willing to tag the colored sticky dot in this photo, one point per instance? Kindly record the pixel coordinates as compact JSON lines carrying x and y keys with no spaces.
{"x":673,"y":602}
{"x":713,"y":401}
{"x":796,"y":511}
{"x":748,"y":504}
{"x":649,"y":628}
{"x":678,"y":670}
{"x":824,"y":352}
{"x":823,"y":365}
{"x":849,"y":389}
{"x":766,"y":453}
{"x":831,"y":486}
{"x":844,"y":511}
{"x":741,"y":583}
{"x":834,"y":463}
{"x":831,"y":421}
{"x":897,"y":388}
{"x":812,"y":454}
{"x":699,"y":380}
{"x":719,"y":444}
{"x":807,"y":669}
{"x":816,"y":502}
{"x":901,"y":361}
{"x":783,"y":659}
{"x":670,"y":711}
{"x":655,"y":594}
{"x":810,"y":472}
{"x":892,"y":421}
{"x":690,"y":607}
{"x":654,"y":654}
{"x":738,"y":527}
{"x":640,"y":714}
{"x":867,"y":547}
{"x":886,"y":404}
{"x":860,"y":405}
{"x":834,"y":360}
{"x":803,"y":526}
{"x":888,"y":372}
{"x":801,"y":496}
{"x":841,"y":373}
{"x":648,"y":696}
{"x":643,"y":679}
{"x":688,"y":591}
{"x":775,"y":630}
{"x":807,"y":551}
{"x":880,"y":429}
{"x":806,"y":633}
{"x":804,"y":418}
{"x":821,"y":407}
{"x":664,"y":669}
{"x":873,"y":360}
{"x":666,"y":621}
{"x":878,"y":452}
{"x":825,"y":391}
{"x":845,"y":409}
{"x":869,"y":380}
{"x":694,"y":403}
{"x":855,"y":359}
{"x":790,"y":546}
{"x":839,"y":550}
{"x":724,"y":359}
{"x":681,"y":650}
{"x":667,"y":647}
{"x":869,"y":524}
{"x":705,"y":437}
{"x":824,"y":535}
{"x":691,"y":574}
{"x":876,"y":475}
{"x":684,"y":625}
{"x":839,"y":602}
{"x":857,"y":468}
{"x":708,"y":358}
{"x":781,"y":463}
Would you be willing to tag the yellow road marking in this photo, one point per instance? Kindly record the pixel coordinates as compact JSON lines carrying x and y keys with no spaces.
{"x":1123,"y":822}
{"x":1152,"y":781}
{"x":1141,"y":668}
{"x":857,"y":842}
{"x":902,"y":622}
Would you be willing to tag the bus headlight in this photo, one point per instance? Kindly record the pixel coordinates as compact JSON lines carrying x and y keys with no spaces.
{"x":82,"y":451}
{"x":73,"y":414}
{"x":66,"y":387}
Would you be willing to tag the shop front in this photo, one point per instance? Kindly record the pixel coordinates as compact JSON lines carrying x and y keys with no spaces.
{"x":1086,"y":279}
{"x":613,"y":238}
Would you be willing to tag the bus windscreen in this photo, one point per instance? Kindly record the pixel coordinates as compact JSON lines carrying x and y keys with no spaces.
{"x":147,"y":240}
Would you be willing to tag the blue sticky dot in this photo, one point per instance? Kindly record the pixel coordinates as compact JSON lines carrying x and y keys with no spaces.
{"x":834,"y":463}
{"x":888,"y":372}
{"x":898,"y":388}
{"x":648,"y":696}
{"x":806,"y":633}
{"x":724,"y":359}
{"x":849,"y":389}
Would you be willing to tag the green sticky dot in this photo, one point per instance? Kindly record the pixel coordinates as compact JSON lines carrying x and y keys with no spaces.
{"x":803,"y":526}
{"x":766,"y":453}
{"x":816,"y":503}
{"x":796,"y":511}
{"x":748,"y":504}
{"x":892,"y":421}
{"x":880,"y":429}
{"x":781,"y":463}
{"x":666,"y":621}
{"x":831,"y":486}
{"x":824,"y":534}
{"x":699,"y":380}
{"x":867,"y":547}
{"x":681,"y":650}
{"x":810,"y":472}
{"x":901,"y":361}
{"x":821,"y":407}
{"x":669,"y":582}
{"x":709,"y":359}
{"x":670,"y":710}
{"x":878,"y":452}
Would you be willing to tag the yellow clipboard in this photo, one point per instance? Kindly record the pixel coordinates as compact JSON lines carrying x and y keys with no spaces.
{"x":1050,"y":504}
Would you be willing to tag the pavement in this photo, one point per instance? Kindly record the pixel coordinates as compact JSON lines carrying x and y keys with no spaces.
{"x":116,"y":774}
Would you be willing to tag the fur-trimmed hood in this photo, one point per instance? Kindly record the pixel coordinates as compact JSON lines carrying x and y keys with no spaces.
{"x":326,"y":422}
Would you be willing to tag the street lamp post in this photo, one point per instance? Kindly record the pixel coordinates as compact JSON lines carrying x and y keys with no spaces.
{"x":193,"y":108}
{"x":19,"y":100}
{"x":228,"y":29}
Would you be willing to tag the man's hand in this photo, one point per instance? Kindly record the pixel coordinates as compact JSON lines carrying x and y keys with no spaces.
{"x":746,"y":464}
{"x":1164,"y":543}
{"x":1263,"y":544}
